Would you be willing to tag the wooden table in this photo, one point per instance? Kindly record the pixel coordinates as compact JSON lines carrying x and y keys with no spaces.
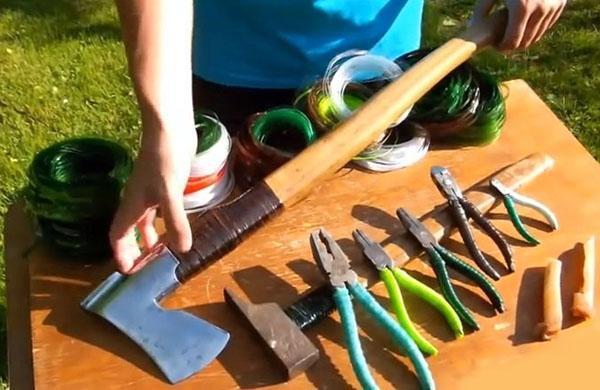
{"x":55,"y":344}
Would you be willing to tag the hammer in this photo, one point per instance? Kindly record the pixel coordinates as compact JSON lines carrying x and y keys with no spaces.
{"x":181,"y":344}
{"x":281,"y":330}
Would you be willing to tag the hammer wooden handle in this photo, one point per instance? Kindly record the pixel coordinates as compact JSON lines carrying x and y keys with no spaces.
{"x":295,"y":179}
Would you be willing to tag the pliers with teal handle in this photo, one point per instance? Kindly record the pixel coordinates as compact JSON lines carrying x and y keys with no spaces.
{"x":439,"y":258}
{"x":394,"y":279}
{"x":510,"y":197}
{"x":335,"y":265}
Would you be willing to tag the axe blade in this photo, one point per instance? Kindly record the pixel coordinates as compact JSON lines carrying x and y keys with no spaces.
{"x":179,"y":343}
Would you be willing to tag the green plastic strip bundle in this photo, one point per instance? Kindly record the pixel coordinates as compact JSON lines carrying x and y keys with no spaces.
{"x":74,"y":190}
{"x":208,"y":129}
{"x":466,"y":107}
{"x":285,"y":129}
{"x":269,"y":140}
{"x":318,"y":105}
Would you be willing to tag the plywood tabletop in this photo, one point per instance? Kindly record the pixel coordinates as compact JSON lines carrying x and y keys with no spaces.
{"x":72,"y":349}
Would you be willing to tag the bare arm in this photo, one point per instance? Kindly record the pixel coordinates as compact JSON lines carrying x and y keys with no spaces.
{"x":157,"y":35}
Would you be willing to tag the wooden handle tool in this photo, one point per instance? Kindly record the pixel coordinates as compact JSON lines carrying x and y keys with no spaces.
{"x":294,"y":180}
{"x":220,"y":230}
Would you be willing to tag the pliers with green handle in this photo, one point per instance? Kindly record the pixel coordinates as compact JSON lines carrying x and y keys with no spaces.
{"x":439,"y":257}
{"x":395,"y":278}
{"x":335,"y":265}
{"x":510,"y":197}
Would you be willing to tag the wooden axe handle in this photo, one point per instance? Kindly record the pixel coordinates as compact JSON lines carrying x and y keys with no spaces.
{"x":295,"y":179}
{"x":221,"y":229}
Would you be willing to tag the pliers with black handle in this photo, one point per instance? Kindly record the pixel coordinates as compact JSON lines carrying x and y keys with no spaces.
{"x":462,"y":209}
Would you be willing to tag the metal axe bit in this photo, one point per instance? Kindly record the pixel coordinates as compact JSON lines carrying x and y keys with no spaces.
{"x":178,"y":342}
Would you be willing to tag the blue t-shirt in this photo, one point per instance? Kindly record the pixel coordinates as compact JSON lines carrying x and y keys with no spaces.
{"x":285,"y":43}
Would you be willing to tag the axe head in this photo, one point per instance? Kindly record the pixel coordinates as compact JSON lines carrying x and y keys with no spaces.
{"x":178,"y":342}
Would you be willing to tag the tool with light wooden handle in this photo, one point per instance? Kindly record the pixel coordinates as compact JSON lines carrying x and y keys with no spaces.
{"x":181,"y":344}
{"x":218,"y":231}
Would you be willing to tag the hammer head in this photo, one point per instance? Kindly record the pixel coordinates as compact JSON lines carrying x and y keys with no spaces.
{"x":281,"y":336}
{"x":178,"y":342}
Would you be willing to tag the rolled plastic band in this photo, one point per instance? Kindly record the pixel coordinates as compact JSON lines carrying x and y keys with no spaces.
{"x":209,"y":196}
{"x":361,"y":67}
{"x":269,"y":140}
{"x":213,"y":149}
{"x":394,"y":154}
{"x":198,"y":183}
{"x":317,"y":104}
{"x":210,"y":181}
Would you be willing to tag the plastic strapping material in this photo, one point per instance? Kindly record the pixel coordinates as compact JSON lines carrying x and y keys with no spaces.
{"x":312,"y":308}
{"x":405,"y":145}
{"x":352,"y":78}
{"x":360,"y":67}
{"x":74,"y":190}
{"x":466,"y":107}
{"x":269,"y":140}
{"x":211,"y":180}
{"x":214,"y":146}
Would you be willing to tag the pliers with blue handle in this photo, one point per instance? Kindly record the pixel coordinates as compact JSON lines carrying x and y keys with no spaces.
{"x":334,"y":264}
{"x":462,"y":209}
{"x":439,"y":257}
{"x":510,"y":197}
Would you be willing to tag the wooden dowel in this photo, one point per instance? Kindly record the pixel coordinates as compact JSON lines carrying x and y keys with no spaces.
{"x":583,"y":301}
{"x":553,"y":317}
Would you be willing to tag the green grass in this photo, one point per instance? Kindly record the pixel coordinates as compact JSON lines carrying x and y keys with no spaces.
{"x":63,"y":73}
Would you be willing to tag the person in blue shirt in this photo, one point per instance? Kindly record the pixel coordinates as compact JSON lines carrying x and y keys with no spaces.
{"x":237,"y":57}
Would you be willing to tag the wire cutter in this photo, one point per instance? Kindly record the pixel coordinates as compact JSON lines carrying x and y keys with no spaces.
{"x":335,"y":265}
{"x":439,"y":257}
{"x":509,"y":199}
{"x":395,"y":278}
{"x":461,"y":209}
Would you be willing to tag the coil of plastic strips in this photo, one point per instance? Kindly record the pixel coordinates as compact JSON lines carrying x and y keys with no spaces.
{"x":211,"y":180}
{"x":357,"y":67}
{"x":351,"y":79}
{"x":465,"y":107}
{"x":270,"y":139}
{"x":74,"y":190}
{"x":404,"y":145}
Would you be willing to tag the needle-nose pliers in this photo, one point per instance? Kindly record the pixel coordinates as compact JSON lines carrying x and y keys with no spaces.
{"x":439,"y":257}
{"x":335,"y":265}
{"x":394,"y":279}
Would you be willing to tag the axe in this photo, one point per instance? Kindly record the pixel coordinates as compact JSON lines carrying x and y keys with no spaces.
{"x":181,"y":344}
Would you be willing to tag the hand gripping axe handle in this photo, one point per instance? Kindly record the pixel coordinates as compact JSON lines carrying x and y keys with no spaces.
{"x":181,"y":344}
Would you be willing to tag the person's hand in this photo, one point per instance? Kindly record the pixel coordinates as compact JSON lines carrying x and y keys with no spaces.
{"x":158,"y":180}
{"x":528,"y":20}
